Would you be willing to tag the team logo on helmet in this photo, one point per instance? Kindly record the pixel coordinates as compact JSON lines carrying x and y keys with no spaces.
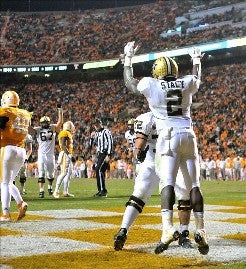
{"x":10,"y":98}
{"x":69,"y":126}
{"x":164,"y":67}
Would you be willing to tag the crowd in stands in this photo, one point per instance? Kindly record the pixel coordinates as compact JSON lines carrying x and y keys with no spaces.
{"x":219,"y":122}
{"x":88,"y":36}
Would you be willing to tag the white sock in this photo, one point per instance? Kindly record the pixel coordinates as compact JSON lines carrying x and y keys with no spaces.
{"x":130,"y":215}
{"x":167,"y":218}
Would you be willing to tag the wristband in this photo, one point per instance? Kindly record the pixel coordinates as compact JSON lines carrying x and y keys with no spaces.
{"x":196,"y":61}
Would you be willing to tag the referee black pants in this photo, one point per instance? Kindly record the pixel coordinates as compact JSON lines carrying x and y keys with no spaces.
{"x":101,"y":168}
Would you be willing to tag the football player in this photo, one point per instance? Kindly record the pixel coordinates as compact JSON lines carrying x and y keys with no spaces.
{"x":14,"y":124}
{"x":65,"y":159}
{"x":170,"y":100}
{"x":130,"y":137}
{"x":147,"y":180}
{"x":46,"y":135}
{"x":23,"y":170}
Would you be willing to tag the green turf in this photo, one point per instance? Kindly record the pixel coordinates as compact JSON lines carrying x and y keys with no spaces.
{"x":215,"y":192}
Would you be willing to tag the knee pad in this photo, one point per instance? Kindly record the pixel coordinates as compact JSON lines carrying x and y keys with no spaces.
{"x":184,"y":205}
{"x":22,"y":179}
{"x":196,"y":199}
{"x":169,"y":197}
{"x":136,"y":202}
{"x":41,"y":180}
{"x":50,"y":180}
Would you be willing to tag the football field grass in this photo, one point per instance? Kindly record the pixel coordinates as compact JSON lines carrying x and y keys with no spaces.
{"x":81,"y":229}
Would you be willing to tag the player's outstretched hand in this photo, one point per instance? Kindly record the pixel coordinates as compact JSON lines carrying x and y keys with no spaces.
{"x":130,"y":49}
{"x":195,"y":53}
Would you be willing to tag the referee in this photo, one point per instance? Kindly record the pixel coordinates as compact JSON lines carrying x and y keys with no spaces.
{"x":102,"y":139}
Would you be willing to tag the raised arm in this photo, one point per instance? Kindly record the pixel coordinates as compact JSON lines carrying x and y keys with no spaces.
{"x":129,"y":51}
{"x":196,"y":55}
{"x":60,"y":118}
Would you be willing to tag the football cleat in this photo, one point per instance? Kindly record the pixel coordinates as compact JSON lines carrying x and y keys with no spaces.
{"x":201,"y":240}
{"x":67,"y":195}
{"x":168,"y":237}
{"x":184,"y":240}
{"x":41,"y":194}
{"x":50,"y":191}
{"x":96,"y":194}
{"x":103,"y":194}
{"x":56,"y":194}
{"x":120,"y":239}
{"x":5,"y":218}
{"x":22,"y":208}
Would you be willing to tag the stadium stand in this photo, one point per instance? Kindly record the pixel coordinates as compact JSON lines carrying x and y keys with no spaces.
{"x":49,"y":37}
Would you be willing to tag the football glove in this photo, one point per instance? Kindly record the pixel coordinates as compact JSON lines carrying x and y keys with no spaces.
{"x":3,"y":121}
{"x":129,"y":49}
{"x":142,"y":154}
{"x":196,"y":55}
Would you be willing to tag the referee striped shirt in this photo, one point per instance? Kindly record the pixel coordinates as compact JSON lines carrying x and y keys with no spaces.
{"x":103,"y":140}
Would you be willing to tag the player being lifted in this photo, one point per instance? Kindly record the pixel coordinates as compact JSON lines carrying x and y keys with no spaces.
{"x":46,"y":136}
{"x":170,"y":100}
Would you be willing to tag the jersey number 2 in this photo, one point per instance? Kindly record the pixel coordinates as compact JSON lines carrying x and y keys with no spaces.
{"x":174,"y":103}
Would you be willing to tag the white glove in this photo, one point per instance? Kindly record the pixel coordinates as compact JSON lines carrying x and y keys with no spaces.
{"x":129,"y":49}
{"x":196,"y":55}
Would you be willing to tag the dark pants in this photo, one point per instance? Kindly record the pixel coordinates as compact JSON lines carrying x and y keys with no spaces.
{"x":101,"y":168}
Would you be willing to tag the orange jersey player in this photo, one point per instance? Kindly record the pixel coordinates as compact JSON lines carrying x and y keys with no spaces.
{"x":14,"y":124}
{"x":65,"y":159}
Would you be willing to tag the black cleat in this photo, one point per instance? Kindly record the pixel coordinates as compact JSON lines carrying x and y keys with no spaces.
{"x":41,"y":194}
{"x":171,"y":236}
{"x":184,"y":240}
{"x":120,"y":239}
{"x":50,"y":191}
{"x":103,"y":194}
{"x":97,"y":194}
{"x":201,"y":240}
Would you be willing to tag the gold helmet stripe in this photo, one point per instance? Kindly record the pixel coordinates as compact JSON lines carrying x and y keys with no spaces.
{"x":168,"y":64}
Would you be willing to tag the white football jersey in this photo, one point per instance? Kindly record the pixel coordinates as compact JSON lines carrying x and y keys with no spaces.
{"x":170,"y":101}
{"x":46,"y":139}
{"x":145,"y":125}
{"x":130,"y":138}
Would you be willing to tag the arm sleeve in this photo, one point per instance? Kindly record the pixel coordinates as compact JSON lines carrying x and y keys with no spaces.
{"x":130,"y":82}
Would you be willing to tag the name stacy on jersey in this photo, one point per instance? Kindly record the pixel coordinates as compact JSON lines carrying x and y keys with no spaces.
{"x":172,"y":84}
